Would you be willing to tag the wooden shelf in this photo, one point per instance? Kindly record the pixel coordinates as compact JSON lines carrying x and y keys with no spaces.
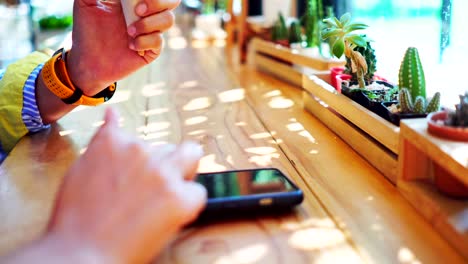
{"x":370,"y":135}
{"x":419,"y":150}
{"x":285,"y":63}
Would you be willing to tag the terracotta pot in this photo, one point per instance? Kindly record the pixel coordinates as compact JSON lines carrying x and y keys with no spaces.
{"x":449,"y":185}
{"x":438,"y":128}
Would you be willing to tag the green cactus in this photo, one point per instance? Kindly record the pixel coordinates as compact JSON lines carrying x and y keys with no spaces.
{"x":279,"y":30}
{"x":459,"y":118}
{"x":406,"y":102}
{"x":295,"y":33}
{"x":314,"y":14}
{"x":419,"y":105}
{"x":411,"y":74}
{"x":434,"y":103}
{"x":369,"y":54}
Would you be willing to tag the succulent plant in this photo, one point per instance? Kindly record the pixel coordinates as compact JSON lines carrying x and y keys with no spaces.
{"x":412,"y":84}
{"x":459,"y":118}
{"x":411,"y":74}
{"x":369,"y":54}
{"x":295,"y":33}
{"x":418,"y":106}
{"x":312,"y":18}
{"x":279,"y":30}
{"x":345,"y":41}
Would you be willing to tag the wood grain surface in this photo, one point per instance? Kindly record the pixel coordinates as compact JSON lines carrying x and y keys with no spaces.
{"x":244,"y":119}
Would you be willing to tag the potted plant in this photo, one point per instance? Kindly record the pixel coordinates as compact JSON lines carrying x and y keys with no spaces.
{"x":271,"y":8}
{"x":412,"y":102}
{"x":452,"y":125}
{"x":208,"y":24}
{"x":279,"y":31}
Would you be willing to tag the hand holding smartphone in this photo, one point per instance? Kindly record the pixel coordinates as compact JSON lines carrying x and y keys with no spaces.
{"x":252,"y":190}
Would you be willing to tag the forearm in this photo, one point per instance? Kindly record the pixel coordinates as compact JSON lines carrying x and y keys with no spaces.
{"x":54,"y":250}
{"x":50,"y":106}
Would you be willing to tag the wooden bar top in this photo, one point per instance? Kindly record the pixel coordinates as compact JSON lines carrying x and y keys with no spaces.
{"x":244,"y":119}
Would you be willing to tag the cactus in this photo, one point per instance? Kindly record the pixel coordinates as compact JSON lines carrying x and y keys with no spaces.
{"x":314,"y":14}
{"x":419,"y":105}
{"x":434,"y":103}
{"x":369,"y":54}
{"x":279,"y":30}
{"x":459,"y":118}
{"x":411,"y":74}
{"x":406,"y":102}
{"x":295,"y":33}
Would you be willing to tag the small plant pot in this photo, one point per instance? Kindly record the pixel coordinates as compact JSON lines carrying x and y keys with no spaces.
{"x":339,"y":79}
{"x":447,"y":184}
{"x":437,"y":127}
{"x":333,"y":73}
{"x":395,"y":118}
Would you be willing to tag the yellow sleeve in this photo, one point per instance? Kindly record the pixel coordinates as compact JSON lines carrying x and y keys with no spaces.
{"x":12,"y":127}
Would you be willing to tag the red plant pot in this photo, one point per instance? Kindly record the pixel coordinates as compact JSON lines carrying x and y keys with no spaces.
{"x":444,"y":181}
{"x":339,"y":78}
{"x":333,"y":73}
{"x":438,"y":128}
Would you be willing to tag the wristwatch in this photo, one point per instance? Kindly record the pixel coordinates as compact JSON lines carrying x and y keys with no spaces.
{"x":56,"y":78}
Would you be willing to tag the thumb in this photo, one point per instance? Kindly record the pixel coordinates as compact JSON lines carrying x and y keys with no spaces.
{"x":111,"y":118}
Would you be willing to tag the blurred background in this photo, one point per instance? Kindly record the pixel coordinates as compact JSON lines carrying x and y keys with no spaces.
{"x":435,"y":27}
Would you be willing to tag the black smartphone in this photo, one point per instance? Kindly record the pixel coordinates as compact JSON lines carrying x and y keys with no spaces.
{"x":251,"y":190}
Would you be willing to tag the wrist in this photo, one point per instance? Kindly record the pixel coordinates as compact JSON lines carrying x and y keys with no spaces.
{"x":83,"y":76}
{"x":66,"y":250}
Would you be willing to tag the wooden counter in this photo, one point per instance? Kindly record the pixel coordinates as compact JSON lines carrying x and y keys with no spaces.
{"x":244,"y":119}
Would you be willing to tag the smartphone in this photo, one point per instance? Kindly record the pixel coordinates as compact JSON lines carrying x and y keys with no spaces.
{"x":251,"y":190}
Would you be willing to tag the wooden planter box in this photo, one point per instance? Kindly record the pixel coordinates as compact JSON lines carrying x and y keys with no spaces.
{"x":419,"y":150}
{"x":286,"y":63}
{"x":370,"y":135}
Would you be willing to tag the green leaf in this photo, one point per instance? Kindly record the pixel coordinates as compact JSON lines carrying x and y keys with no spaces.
{"x":356,"y":26}
{"x":338,"y":48}
{"x":345,"y":19}
{"x":337,"y":22}
{"x":330,"y":32}
{"x":330,"y":22}
{"x":357,"y":40}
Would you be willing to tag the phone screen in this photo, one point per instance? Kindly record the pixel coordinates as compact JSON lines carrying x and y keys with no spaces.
{"x":245,"y":182}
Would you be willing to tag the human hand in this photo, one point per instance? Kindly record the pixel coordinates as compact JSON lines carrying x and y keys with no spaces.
{"x":104,"y":50}
{"x":124,"y":200}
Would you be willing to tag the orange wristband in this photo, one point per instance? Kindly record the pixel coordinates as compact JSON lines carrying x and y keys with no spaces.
{"x":56,"y":78}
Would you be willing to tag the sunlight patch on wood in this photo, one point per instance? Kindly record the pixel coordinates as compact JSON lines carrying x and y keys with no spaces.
{"x":233,"y":95}
{"x":153,"y":127}
{"x":261,"y":135}
{"x":155,"y":111}
{"x":272,"y":93}
{"x":315,"y":238}
{"x":261,"y":150}
{"x":295,"y":127}
{"x":188,"y":84}
{"x":255,"y":253}
{"x":208,"y":164}
{"x":197,"y":104}
{"x":280,"y":103}
{"x":195,"y":120}
{"x":153,"y":89}
{"x":66,"y":132}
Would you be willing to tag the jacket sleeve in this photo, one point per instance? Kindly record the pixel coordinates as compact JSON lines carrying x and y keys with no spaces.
{"x":18,"y":109}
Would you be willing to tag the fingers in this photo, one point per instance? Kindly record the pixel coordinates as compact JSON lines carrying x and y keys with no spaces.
{"x":193,"y":200}
{"x":152,"y":42}
{"x":111,"y":117}
{"x":186,"y":158}
{"x":149,"y":7}
{"x":155,"y":23}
